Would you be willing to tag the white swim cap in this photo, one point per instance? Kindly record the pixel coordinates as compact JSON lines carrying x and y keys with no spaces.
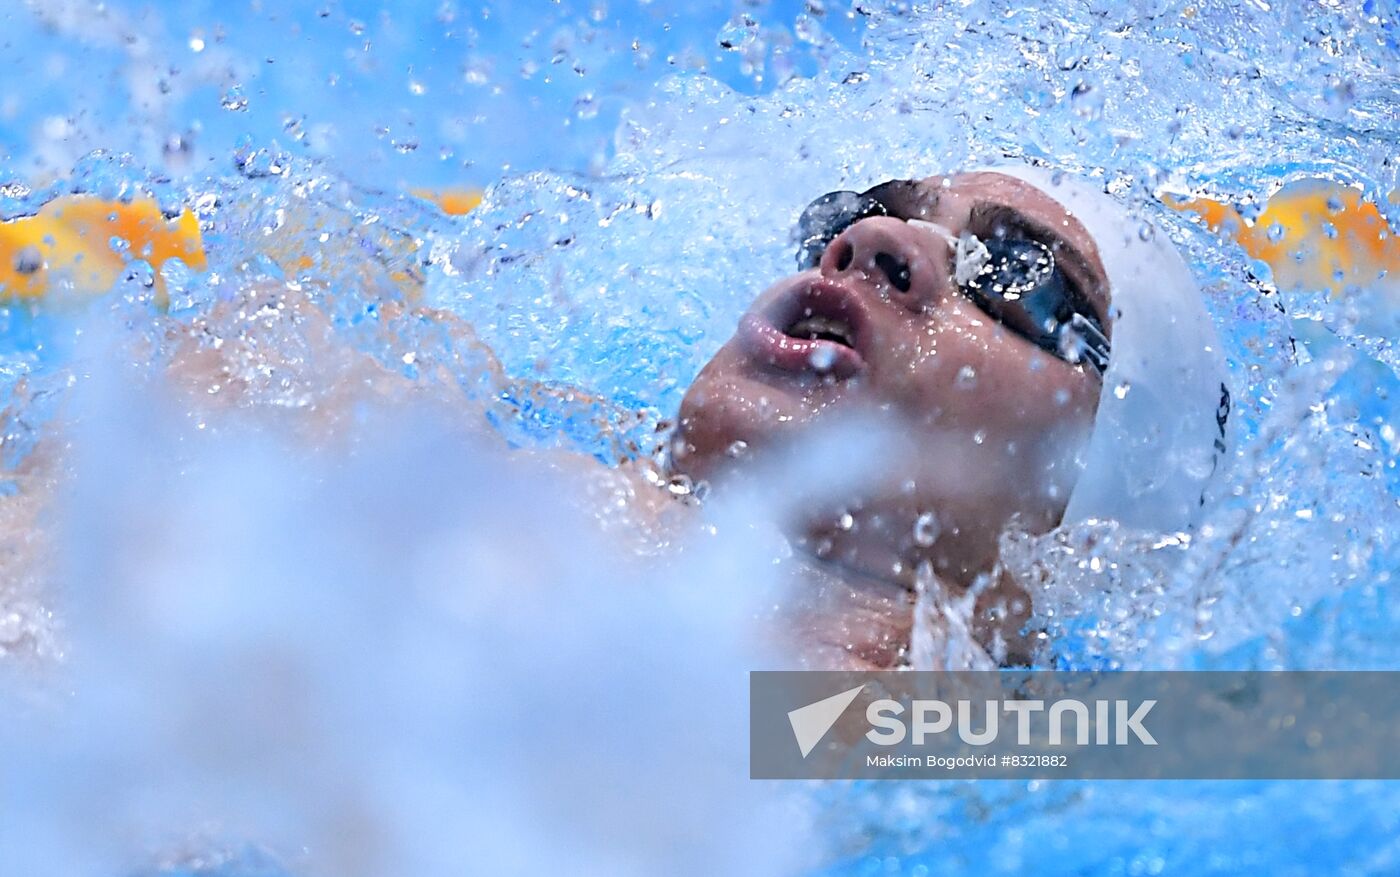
{"x":1160,"y":436}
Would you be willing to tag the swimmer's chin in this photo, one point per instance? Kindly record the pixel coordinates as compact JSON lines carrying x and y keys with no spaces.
{"x":725,"y":425}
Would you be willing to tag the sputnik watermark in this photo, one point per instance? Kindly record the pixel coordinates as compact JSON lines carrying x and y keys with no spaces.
{"x":1030,"y":723}
{"x":891,"y":723}
{"x":929,"y":717}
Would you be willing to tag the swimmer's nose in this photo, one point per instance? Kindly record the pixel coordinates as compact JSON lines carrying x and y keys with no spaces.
{"x":908,"y":264}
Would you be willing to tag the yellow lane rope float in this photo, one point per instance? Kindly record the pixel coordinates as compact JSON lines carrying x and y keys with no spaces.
{"x":1313,"y":234}
{"x":83,"y":243}
{"x":453,"y":202}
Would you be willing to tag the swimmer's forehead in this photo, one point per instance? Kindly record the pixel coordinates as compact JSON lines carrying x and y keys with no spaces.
{"x":960,"y":195}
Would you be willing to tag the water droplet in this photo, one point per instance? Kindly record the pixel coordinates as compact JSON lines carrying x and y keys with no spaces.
{"x":822,"y":358}
{"x":738,"y":32}
{"x":926,"y":529}
{"x":141,"y":273}
{"x":476,"y":72}
{"x":1086,"y":101}
{"x":846,"y":522}
{"x":1340,"y":93}
{"x":586,"y":106}
{"x":680,"y":485}
{"x":176,"y":148}
{"x":808,"y":29}
{"x":967,"y":378}
{"x":28,"y":260}
{"x":233,"y":100}
{"x":1121,"y":391}
{"x":1146,"y":232}
{"x":737,"y":448}
{"x":417,"y":88}
{"x":1276,"y":232}
{"x":196,"y":44}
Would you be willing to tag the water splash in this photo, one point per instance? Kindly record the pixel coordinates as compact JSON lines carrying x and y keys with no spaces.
{"x":582,"y":306}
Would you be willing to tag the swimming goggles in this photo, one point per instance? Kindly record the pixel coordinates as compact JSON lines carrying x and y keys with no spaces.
{"x":1009,"y":274}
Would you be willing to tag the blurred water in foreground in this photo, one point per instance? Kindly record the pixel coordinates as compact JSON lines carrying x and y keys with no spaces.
{"x":298,"y":611}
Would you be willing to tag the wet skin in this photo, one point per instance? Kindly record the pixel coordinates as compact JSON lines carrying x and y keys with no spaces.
{"x":985,"y":423}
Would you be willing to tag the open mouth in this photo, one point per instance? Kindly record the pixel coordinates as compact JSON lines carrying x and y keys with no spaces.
{"x":814,"y":328}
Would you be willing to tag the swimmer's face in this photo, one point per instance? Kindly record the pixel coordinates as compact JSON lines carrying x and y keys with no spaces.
{"x":982,"y":418}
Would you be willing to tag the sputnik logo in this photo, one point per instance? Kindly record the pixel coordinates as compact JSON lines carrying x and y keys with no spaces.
{"x":811,"y":722}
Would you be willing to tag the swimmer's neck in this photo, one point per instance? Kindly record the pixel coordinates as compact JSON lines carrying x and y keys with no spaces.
{"x":888,"y":585}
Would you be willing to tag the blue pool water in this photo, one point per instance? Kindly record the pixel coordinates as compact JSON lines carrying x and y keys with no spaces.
{"x":259,"y":655}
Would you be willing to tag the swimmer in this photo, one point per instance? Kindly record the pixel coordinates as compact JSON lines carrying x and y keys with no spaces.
{"x":1044,"y":360}
{"x":1038,"y":357}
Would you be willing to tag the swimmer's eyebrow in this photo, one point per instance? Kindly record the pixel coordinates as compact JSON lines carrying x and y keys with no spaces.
{"x":1081,"y":268}
{"x":907,"y":199}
